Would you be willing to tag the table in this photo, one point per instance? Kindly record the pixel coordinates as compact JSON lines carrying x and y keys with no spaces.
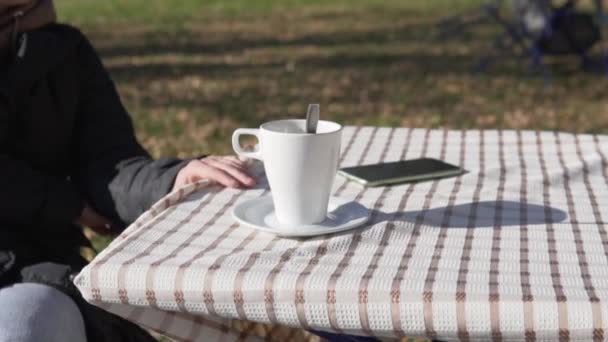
{"x":514,"y":249}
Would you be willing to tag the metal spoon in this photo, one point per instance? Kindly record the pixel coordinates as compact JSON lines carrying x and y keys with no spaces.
{"x":312,"y":118}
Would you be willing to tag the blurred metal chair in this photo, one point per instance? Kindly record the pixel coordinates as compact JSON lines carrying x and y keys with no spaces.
{"x":536,"y":29}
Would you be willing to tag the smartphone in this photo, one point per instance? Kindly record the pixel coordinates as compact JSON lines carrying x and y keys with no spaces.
{"x":403,"y":171}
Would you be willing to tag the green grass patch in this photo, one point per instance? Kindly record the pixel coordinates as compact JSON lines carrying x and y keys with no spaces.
{"x":165,"y":12}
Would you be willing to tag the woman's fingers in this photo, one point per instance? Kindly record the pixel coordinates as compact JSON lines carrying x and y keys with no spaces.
{"x":90,"y":218}
{"x":228,"y":171}
{"x":206,"y":171}
{"x":231,"y":164}
{"x":229,"y":160}
{"x":224,"y":178}
{"x":236,"y":172}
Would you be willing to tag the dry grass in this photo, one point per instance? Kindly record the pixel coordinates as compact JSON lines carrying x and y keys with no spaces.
{"x":189,"y":88}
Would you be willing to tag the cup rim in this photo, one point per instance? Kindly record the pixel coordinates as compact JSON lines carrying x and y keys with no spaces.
{"x":338,"y":129}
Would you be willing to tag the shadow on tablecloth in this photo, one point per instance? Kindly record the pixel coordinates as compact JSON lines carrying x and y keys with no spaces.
{"x":483,"y":214}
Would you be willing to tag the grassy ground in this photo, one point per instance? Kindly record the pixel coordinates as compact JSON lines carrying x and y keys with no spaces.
{"x":190,"y":71}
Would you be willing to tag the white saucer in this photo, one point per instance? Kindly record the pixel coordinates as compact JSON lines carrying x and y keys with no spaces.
{"x":342,"y":214}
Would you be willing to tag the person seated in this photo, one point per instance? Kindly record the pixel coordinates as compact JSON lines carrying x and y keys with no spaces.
{"x":69,"y":158}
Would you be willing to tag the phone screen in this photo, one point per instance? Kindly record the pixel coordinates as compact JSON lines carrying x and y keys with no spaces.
{"x":401,"y":171}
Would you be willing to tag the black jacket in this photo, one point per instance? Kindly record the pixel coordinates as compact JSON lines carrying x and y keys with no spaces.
{"x":65,"y":141}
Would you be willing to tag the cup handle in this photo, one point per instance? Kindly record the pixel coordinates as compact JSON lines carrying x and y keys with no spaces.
{"x":237,"y":146}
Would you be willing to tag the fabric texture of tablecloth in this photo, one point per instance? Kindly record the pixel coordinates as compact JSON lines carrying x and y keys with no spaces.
{"x":516,"y":248}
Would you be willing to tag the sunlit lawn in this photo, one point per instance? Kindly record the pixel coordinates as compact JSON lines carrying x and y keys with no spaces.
{"x":190,"y":73}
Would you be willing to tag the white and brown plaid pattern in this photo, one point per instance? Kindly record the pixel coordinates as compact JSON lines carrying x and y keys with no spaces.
{"x":516,"y":248}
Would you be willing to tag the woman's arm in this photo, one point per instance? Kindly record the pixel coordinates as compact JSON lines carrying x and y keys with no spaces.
{"x":119,"y":178}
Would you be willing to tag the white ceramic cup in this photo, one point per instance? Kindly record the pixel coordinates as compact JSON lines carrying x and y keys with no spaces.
{"x":300,"y":167}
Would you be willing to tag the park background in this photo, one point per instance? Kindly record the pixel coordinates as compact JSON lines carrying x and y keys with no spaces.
{"x":189,"y":72}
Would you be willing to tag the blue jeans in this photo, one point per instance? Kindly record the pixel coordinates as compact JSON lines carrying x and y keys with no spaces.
{"x":33,"y":312}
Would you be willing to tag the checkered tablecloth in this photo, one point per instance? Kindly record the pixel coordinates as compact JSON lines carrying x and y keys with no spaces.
{"x":514,"y":249}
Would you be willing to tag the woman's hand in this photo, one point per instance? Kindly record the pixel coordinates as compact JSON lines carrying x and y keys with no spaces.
{"x":90,"y":218}
{"x":228,"y":171}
